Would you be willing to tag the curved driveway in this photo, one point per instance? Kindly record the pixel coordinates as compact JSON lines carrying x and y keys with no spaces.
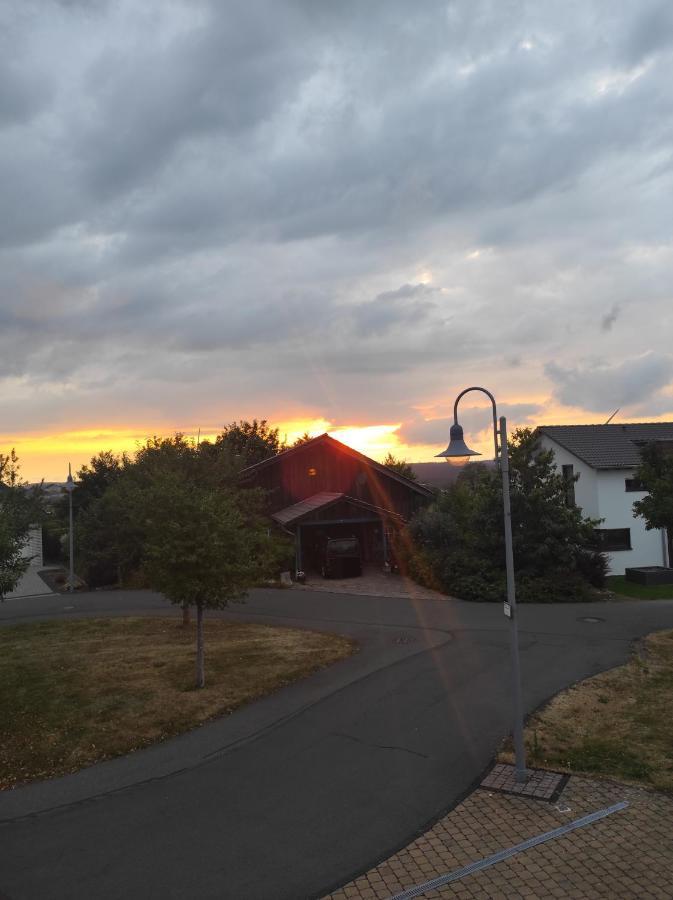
{"x":305,"y":789}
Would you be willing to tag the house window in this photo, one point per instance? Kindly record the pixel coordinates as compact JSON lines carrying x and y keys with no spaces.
{"x":611,"y":539}
{"x":633,"y":484}
{"x":569,"y":479}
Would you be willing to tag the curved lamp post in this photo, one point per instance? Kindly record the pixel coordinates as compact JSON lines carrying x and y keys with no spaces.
{"x":70,"y":487}
{"x":458,"y":449}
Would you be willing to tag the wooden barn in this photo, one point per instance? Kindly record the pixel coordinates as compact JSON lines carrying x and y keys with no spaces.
{"x":324,"y":489}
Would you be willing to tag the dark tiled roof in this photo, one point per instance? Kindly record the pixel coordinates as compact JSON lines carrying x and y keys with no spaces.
{"x":608,"y":446}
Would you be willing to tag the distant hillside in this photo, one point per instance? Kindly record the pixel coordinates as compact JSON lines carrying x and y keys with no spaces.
{"x":440,"y":475}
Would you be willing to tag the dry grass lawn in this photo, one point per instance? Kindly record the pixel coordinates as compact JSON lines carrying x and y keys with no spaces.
{"x":73,"y":693}
{"x":617,"y":724}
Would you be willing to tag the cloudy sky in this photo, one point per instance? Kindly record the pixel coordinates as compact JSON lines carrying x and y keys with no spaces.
{"x":331,"y":215}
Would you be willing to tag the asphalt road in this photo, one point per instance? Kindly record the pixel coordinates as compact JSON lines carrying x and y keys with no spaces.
{"x":301,"y":791}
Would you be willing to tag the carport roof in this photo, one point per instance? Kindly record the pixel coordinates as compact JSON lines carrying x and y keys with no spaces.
{"x":323,"y":500}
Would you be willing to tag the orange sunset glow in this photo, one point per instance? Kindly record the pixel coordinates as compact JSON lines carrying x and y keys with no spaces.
{"x":46,"y":455}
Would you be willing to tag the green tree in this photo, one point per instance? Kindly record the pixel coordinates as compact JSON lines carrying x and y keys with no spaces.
{"x":249,"y":442}
{"x":204,"y":548}
{"x":109,"y":534}
{"x":457,"y":543}
{"x":401,"y":466}
{"x":110,"y":523}
{"x":118,"y":532}
{"x":20,"y":509}
{"x":303,"y":439}
{"x":655,"y":473}
{"x":10,"y":470}
{"x":103,"y":470}
{"x":163,"y":455}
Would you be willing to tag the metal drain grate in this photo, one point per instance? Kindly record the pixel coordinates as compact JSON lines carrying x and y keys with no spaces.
{"x":540,"y":784}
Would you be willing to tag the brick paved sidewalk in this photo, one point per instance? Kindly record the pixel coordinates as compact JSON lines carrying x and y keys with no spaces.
{"x":627,"y":855}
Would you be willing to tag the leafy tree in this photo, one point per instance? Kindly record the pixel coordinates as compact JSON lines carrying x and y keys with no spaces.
{"x":303,"y":439}
{"x":250,"y":442}
{"x":457,"y":543}
{"x":401,"y":466}
{"x":204,"y":548}
{"x":177,"y":454}
{"x":103,"y":470}
{"x":20,"y":509}
{"x":10,"y":469}
{"x":114,"y":531}
{"x":109,"y":534}
{"x":655,"y":473}
{"x":109,"y":507}
{"x":92,"y":481}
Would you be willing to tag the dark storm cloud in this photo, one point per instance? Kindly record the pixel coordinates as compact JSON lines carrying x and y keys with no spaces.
{"x":610,"y":318}
{"x":601,"y":387}
{"x":651,"y":30}
{"x":198,"y":190}
{"x":220,"y":78}
{"x":408,"y":305}
{"x":21,"y":94}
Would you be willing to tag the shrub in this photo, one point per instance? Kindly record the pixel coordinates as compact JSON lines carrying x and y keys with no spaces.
{"x":457,"y":543}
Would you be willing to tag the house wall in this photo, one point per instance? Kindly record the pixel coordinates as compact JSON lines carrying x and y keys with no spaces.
{"x":616,"y":507}
{"x":586,"y":486}
{"x":32,"y":549}
{"x":601,"y":494}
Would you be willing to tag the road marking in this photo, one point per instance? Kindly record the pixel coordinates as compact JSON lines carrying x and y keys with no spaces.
{"x":421,"y":889}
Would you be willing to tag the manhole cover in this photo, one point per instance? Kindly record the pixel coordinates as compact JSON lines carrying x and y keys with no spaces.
{"x":592,"y":620}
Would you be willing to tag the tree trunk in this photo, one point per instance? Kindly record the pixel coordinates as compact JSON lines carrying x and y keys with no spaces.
{"x":200,"y":654}
{"x":185,"y":615}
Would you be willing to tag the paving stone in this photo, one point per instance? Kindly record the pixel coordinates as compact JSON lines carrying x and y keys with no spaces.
{"x":626,"y":855}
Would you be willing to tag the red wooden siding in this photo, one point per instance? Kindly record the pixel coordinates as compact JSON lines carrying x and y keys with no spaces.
{"x":324,"y":466}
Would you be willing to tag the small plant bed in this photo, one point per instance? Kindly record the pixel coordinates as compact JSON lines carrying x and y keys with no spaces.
{"x":74,"y":693}
{"x":618,"y":584}
{"x":57,"y":580}
{"x":617,"y":724}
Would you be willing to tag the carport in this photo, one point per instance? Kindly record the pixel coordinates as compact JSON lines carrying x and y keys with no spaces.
{"x":333,"y":515}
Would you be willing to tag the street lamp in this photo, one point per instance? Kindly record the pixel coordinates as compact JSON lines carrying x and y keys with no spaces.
{"x":458,"y":449}
{"x":70,"y":487}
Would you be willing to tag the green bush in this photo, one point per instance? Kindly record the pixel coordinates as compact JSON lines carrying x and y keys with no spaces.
{"x":457,"y":543}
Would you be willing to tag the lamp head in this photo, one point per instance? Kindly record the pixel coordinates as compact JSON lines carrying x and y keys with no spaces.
{"x":457,"y":447}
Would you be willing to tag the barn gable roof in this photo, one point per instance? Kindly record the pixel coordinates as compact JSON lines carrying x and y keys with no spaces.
{"x":343,"y":448}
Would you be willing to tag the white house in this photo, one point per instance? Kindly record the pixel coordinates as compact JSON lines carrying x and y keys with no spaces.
{"x":605,"y":457}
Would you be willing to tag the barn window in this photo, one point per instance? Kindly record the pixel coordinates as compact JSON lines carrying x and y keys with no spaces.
{"x":312,"y":471}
